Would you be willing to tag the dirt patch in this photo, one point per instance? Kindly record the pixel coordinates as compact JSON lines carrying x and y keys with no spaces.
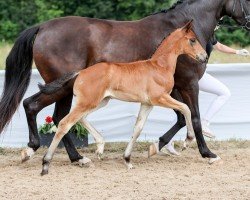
{"x":161,"y":177}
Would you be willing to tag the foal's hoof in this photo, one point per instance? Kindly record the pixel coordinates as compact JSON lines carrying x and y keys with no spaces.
{"x":183,"y":148}
{"x":100,"y":150}
{"x":26,"y":154}
{"x":129,"y":166}
{"x":84,"y":162}
{"x":153,"y":149}
{"x":45,"y":167}
{"x":99,"y":155}
{"x":187,"y":143}
{"x":44,"y":172}
{"x":215,"y":160}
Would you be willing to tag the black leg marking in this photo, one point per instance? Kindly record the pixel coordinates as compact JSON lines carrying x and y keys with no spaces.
{"x":127,"y":159}
{"x":45,"y":166}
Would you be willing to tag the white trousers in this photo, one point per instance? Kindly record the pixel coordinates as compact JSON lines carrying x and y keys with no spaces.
{"x":211,"y":85}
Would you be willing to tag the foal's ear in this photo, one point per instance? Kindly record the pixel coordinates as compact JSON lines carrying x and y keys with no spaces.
{"x":188,"y":26}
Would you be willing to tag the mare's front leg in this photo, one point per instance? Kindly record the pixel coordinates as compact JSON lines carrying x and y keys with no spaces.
{"x":190,"y":97}
{"x":141,"y":119}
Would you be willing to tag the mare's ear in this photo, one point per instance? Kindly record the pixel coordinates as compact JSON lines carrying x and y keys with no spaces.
{"x":188,"y":26}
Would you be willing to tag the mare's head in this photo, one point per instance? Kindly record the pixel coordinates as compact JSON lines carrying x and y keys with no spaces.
{"x":187,"y":43}
{"x":239,"y":10}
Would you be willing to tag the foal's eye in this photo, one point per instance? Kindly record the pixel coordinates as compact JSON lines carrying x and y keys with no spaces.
{"x":192,"y":40}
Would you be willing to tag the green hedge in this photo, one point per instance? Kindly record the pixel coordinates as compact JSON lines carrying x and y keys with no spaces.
{"x":16,"y":16}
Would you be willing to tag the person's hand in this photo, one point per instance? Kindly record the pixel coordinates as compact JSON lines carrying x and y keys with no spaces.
{"x":243,"y":52}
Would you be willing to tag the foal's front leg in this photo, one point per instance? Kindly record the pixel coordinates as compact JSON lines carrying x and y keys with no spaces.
{"x":141,"y":119}
{"x":168,"y":102}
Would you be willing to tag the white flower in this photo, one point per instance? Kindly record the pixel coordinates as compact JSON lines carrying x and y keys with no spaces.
{"x":53,"y":129}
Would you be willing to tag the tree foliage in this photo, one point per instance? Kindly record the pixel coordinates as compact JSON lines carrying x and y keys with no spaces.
{"x":17,"y":15}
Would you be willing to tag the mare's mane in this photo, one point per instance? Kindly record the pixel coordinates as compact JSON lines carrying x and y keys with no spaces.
{"x":171,"y":8}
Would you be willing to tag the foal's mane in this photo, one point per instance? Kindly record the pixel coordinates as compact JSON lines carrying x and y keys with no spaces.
{"x":171,"y":8}
{"x":160,"y":44}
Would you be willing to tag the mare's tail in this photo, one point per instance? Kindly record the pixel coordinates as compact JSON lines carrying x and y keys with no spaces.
{"x":17,"y":75}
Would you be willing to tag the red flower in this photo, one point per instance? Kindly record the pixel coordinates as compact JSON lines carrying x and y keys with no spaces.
{"x":48,"y":119}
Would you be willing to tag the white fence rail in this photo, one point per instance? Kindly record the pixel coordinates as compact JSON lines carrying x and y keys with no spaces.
{"x":116,"y":120}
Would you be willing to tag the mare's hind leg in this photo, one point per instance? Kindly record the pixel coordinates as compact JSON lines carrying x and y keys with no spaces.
{"x":169,"y":102}
{"x":141,"y":119}
{"x":32,"y":106}
{"x":64,"y":126}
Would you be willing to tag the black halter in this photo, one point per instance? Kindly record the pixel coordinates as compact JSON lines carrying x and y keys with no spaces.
{"x":245,"y":13}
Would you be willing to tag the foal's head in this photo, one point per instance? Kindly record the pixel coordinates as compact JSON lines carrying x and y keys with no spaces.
{"x":187,"y":43}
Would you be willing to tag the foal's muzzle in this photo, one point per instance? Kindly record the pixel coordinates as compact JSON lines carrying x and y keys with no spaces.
{"x":203,"y":58}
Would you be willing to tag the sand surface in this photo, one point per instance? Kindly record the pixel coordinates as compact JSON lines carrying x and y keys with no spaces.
{"x":161,"y":177}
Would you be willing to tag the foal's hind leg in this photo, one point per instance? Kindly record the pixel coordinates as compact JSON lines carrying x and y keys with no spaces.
{"x":169,"y":102}
{"x":141,"y":119}
{"x":96,"y":135}
{"x":32,"y":106}
{"x":64,"y":126}
{"x":62,"y":108}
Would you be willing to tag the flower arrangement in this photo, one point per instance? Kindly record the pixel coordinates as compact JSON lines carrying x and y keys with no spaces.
{"x":49,"y":127}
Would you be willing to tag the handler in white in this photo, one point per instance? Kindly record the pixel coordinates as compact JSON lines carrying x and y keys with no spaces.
{"x":211,"y":85}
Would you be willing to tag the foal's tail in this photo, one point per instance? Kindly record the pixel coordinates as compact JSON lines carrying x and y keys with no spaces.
{"x":56,"y":85}
{"x":17,"y":75}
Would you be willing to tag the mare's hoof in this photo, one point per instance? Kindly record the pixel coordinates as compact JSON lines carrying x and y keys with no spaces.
{"x":26,"y":154}
{"x":84,"y":162}
{"x":215,"y":160}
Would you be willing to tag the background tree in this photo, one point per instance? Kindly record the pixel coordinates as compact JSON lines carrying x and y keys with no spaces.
{"x":17,"y":15}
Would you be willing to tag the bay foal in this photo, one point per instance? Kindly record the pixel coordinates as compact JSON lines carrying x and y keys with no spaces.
{"x":149,"y":82}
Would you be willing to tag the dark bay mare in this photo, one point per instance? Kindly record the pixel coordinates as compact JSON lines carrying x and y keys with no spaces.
{"x":69,"y":44}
